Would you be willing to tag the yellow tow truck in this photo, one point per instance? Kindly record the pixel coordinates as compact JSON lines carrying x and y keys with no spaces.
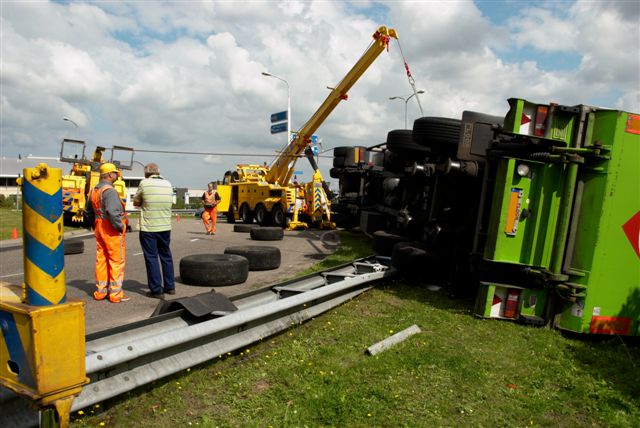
{"x":84,"y":176}
{"x":266,"y":194}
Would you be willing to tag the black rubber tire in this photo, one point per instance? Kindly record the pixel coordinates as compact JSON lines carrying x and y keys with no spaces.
{"x":278,"y":216}
{"x":400,"y":141}
{"x":246,"y":215}
{"x":73,"y":246}
{"x":343,"y":151}
{"x":244,"y":228}
{"x":267,"y":233}
{"x":230,"y":216}
{"x":213,"y":270}
{"x":259,"y":257}
{"x":338,"y":162}
{"x":409,"y":259}
{"x":261,"y":215}
{"x":437,"y":132}
{"x":383,"y":242}
{"x":335,"y":172}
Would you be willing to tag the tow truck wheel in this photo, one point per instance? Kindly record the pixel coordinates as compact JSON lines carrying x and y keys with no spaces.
{"x":245,"y":213}
{"x":260,"y":214}
{"x":212,"y":270}
{"x":278,"y":217}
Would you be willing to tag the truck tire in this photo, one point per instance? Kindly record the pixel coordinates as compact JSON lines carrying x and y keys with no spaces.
{"x":246,"y":215}
{"x":213,"y":270}
{"x":261,"y":215}
{"x":440,"y":133}
{"x":73,"y":246}
{"x":267,"y":234}
{"x":278,"y":216}
{"x":343,"y":151}
{"x":400,"y":141}
{"x":335,"y":172}
{"x":338,"y":162}
{"x":231,"y":218}
{"x":244,"y":228}
{"x":259,"y":257}
{"x":383,"y":242}
{"x":409,"y":259}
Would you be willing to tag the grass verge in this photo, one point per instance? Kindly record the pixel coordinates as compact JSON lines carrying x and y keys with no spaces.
{"x":460,"y":371}
{"x":9,"y":219}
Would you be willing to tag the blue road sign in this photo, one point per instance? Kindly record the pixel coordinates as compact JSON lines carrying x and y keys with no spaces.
{"x":279,"y":127}
{"x":314,"y":139}
{"x":298,"y":172}
{"x":278,"y":117}
{"x":315,"y":150}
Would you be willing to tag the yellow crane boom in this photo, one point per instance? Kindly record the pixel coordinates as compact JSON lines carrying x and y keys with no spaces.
{"x":282,"y":168}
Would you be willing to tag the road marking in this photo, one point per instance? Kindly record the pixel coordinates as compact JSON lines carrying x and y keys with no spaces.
{"x":195,"y":239}
{"x":13,"y":274}
{"x":137,"y":254}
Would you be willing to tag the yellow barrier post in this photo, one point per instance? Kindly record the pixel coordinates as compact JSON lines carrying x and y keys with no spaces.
{"x":42,"y":352}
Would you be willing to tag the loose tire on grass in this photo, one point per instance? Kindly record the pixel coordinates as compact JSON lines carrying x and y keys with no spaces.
{"x":260,"y":257}
{"x":267,"y":234}
{"x":75,"y":246}
{"x":213,"y":270}
{"x":244,"y":228}
{"x":383,"y":242}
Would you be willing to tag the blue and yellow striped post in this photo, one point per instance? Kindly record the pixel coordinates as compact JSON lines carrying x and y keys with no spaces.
{"x":42,"y":340}
{"x":43,"y":232}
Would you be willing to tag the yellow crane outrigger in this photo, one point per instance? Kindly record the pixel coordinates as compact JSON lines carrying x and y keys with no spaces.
{"x":266,"y":193}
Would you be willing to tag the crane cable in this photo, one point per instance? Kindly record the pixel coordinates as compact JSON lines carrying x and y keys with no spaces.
{"x":410,"y":78}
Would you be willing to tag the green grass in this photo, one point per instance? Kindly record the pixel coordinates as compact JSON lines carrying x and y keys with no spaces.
{"x":460,"y":371}
{"x":9,"y":218}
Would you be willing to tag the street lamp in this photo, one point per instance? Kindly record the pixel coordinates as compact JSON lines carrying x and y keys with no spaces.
{"x":406,"y":100}
{"x":69,"y":120}
{"x":264,"y":73}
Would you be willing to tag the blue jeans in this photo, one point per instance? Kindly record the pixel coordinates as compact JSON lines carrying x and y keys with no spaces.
{"x":155,"y":245}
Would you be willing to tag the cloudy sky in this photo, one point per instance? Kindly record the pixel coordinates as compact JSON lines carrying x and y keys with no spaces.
{"x":185,"y":76}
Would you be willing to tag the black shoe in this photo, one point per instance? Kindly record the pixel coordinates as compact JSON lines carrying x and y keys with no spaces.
{"x":172,"y":291}
{"x":155,"y":295}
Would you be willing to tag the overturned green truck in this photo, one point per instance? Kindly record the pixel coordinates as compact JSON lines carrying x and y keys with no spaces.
{"x":536,"y":212}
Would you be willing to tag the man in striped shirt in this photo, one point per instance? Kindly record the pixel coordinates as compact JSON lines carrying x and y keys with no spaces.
{"x":155,"y":197}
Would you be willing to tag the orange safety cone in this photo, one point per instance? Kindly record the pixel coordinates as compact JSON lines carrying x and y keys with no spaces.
{"x":14,"y":233}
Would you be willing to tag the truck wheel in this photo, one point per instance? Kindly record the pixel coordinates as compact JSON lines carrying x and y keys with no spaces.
{"x":245,"y":213}
{"x":73,"y":246}
{"x":244,"y":228}
{"x":278,"y":217}
{"x":343,"y":151}
{"x":231,"y":218}
{"x":213,"y":270}
{"x":260,"y":214}
{"x":335,"y":172}
{"x":439,"y":133}
{"x":267,"y":234}
{"x":401,"y":141}
{"x":260,"y":258}
{"x":338,"y":162}
{"x":383,"y":242}
{"x":409,"y":259}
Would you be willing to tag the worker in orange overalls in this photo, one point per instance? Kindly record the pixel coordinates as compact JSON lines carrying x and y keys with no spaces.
{"x":210,"y":200}
{"x":106,"y":212}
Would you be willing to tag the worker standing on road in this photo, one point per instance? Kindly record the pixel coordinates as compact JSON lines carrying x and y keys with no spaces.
{"x":155,"y":198}
{"x":107,"y":214}
{"x":210,"y":199}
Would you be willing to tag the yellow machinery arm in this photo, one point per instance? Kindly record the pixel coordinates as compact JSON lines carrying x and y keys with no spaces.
{"x":283,"y":167}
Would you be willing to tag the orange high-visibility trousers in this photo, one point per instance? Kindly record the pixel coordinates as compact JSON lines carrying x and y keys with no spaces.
{"x":110,"y":261}
{"x":209,"y":217}
{"x":110,"y":252}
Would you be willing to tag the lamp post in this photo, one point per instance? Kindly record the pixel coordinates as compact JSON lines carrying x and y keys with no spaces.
{"x":264,"y":73}
{"x":406,"y":100}
{"x":69,"y":120}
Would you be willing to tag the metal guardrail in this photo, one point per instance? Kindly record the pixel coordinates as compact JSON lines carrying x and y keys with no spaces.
{"x":124,"y":358}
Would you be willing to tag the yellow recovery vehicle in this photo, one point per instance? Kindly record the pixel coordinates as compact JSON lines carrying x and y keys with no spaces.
{"x":266,"y":194}
{"x":85,"y":175}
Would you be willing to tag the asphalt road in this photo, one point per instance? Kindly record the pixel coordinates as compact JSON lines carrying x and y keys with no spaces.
{"x":299,"y":250}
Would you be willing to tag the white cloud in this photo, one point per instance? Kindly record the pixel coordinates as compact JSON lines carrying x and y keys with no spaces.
{"x":185,"y":76}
